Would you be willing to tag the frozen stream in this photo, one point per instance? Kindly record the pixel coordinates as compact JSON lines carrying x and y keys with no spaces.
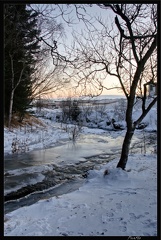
{"x":40,"y":174}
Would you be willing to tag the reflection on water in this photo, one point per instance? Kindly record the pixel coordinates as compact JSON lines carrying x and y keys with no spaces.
{"x":86,"y":146}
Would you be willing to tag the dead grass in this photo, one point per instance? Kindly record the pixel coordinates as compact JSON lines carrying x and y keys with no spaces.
{"x":28,"y":120}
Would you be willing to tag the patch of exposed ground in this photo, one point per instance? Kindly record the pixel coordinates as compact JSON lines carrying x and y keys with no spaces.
{"x":27,"y":120}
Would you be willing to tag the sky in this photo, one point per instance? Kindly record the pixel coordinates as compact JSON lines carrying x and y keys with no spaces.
{"x":94,"y":11}
{"x":78,"y":25}
{"x":97,"y":45}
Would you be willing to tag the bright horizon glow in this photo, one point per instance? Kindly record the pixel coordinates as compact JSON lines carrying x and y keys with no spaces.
{"x":109,"y":82}
{"x":113,"y":92}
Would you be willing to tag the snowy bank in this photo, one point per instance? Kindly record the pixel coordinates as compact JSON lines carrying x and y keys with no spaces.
{"x":118,"y":204}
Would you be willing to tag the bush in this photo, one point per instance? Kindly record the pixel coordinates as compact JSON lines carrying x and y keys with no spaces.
{"x":70,"y":110}
{"x":120,"y":110}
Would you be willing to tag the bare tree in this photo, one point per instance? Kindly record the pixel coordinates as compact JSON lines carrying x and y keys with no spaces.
{"x":46,"y":80}
{"x":126,"y":49}
{"x":142,"y":38}
{"x":14,"y":85}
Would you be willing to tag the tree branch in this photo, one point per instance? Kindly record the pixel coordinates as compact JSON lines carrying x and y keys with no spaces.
{"x":144,"y":113}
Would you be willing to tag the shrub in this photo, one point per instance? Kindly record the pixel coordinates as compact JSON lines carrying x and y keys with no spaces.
{"x":70,"y":110}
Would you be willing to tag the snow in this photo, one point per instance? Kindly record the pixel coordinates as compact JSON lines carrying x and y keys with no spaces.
{"x":121,"y":203}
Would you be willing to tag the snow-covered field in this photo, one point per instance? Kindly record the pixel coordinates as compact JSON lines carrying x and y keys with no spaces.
{"x":122,"y":203}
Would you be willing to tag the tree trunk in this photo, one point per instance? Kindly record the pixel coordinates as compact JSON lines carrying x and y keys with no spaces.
{"x":10,"y":109}
{"x":125,"y":149}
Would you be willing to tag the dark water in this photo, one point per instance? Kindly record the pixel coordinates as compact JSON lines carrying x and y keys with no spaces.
{"x":57,"y":182}
{"x":66,"y":187}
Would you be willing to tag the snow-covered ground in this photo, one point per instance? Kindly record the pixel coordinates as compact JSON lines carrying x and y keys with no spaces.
{"x":122,"y":203}
{"x":35,"y":137}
